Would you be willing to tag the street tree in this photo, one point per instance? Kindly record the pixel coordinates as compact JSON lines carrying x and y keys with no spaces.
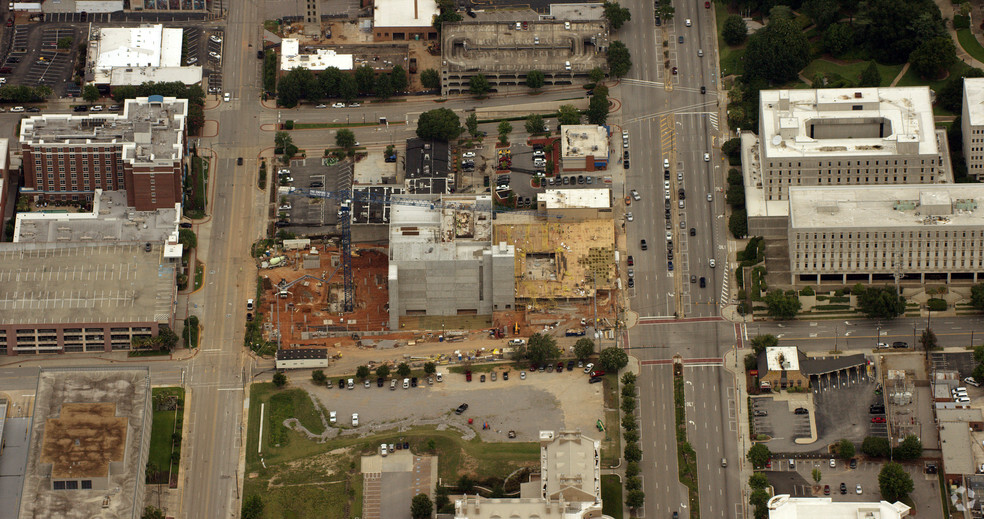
{"x":188,"y":239}
{"x":597,"y":75}
{"x":90,"y":93}
{"x":598,"y":109}
{"x":534,"y":124}
{"x":152,"y":512}
{"x":345,"y":139}
{"x":348,"y":89}
{"x":421,"y":507}
{"x":535,"y":79}
{"x":758,"y":481}
{"x":430,"y":368}
{"x":398,"y":79}
{"x":430,"y":79}
{"x":632,"y":452}
{"x":613,"y":358}
{"x":894,"y":482}
{"x":479,"y":85}
{"x":928,"y":340}
{"x":383,"y":87}
{"x":383,"y":371}
{"x":616,"y":14}
{"x":933,"y":57}
{"x":761,"y":342}
{"x":845,"y":449}
{"x":471,"y":123}
{"x":738,"y":223}
{"x":735,"y":30}
{"x":782,"y":304}
{"x":296,"y":85}
{"x":870,"y":77}
{"x":759,"y":454}
{"x":568,"y":114}
{"x":541,"y":348}
{"x":759,"y":499}
{"x":584,"y":348}
{"x":362,"y":372}
{"x":635,"y":499}
{"x":403,"y":369}
{"x":281,"y":140}
{"x":619,"y":59}
{"x":365,"y":79}
{"x":440,"y":124}
{"x":279,"y":379}
{"x":504,"y":129}
{"x":777,"y":52}
{"x":330,"y":81}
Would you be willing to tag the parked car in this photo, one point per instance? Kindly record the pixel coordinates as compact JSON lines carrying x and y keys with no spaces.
{"x":589,"y":367}
{"x":355,"y":419}
{"x":843,"y":488}
{"x":878,"y":419}
{"x":594,"y":380}
{"x":461,"y":409}
{"x":468,"y":376}
{"x":597,"y":373}
{"x":801,"y":410}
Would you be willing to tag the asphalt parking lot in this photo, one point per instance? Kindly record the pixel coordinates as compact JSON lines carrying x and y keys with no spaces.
{"x":35,"y":59}
{"x":307,"y":215}
{"x":545,"y":400}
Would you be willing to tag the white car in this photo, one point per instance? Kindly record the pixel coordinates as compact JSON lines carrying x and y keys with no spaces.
{"x":321,"y":106}
{"x":333,"y":416}
{"x":588,"y":367}
{"x":522,"y":375}
{"x":707,"y":157}
{"x":972,"y":381}
{"x":468,"y":154}
{"x":666,"y":163}
{"x":625,"y":134}
{"x":440,"y":377}
{"x":406,"y":383}
{"x":338,"y":105}
{"x":355,"y":419}
{"x":688,"y":22}
{"x":96,"y":108}
{"x":711,"y":263}
{"x":857,"y":489}
{"x":382,"y":449}
{"x":666,"y":185}
{"x":17,"y":109}
{"x":215,"y":38}
{"x":635,"y":195}
{"x":833,"y":463}
{"x":192,"y":60}
{"x":669,"y":235}
{"x":227,"y":97}
{"x":679,"y":176}
{"x":215,"y":55}
{"x":709,"y":197}
{"x":628,"y":217}
{"x":354,"y":105}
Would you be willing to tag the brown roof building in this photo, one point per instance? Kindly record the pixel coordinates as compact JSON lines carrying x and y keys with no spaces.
{"x":68,"y":157}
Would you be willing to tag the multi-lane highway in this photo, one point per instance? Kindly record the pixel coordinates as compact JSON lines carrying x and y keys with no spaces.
{"x":669,"y":118}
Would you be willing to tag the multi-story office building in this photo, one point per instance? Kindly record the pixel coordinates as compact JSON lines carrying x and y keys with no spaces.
{"x":866,"y":233}
{"x":972,"y":124}
{"x":68,"y":157}
{"x":838,"y":137}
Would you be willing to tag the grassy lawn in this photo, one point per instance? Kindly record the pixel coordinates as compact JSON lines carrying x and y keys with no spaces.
{"x":199,"y":274}
{"x":611,"y":496}
{"x":611,"y":444}
{"x":850,"y":71}
{"x":730,"y":56}
{"x":912,"y":79}
{"x":315,"y":126}
{"x":161,"y":439}
{"x":970,"y":44}
{"x":195,"y":206}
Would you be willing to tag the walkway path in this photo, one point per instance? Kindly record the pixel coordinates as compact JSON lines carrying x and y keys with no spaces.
{"x":946,"y":9}
{"x":905,"y":68}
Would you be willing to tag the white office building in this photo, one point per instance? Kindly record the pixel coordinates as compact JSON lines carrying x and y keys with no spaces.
{"x":783,"y":506}
{"x":837,"y":137}
{"x":972,"y":125}
{"x":867,"y":233}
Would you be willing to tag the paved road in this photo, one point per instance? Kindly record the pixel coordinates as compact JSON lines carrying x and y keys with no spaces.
{"x":861,"y":334}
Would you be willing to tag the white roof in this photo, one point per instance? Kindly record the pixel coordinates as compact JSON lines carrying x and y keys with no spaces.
{"x":4,"y":143}
{"x":582,"y":140}
{"x":140,"y":75}
{"x":783,"y":506}
{"x":780,"y":358}
{"x":934,"y":206}
{"x":291,"y":58}
{"x":148,"y":45}
{"x":576,"y":198}
{"x":404,"y":13}
{"x":792,"y":121}
{"x":974,"y":99}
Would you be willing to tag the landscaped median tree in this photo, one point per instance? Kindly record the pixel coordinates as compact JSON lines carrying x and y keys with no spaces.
{"x":403,"y":369}
{"x":345,"y":139}
{"x":504,"y":129}
{"x":534,"y":124}
{"x":471,"y":124}
{"x":894,"y":482}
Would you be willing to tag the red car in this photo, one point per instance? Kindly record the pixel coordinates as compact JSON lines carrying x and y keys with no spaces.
{"x":468,"y":376}
{"x":826,"y":490}
{"x":707,"y":5}
{"x":631,"y":262}
{"x":674,"y":71}
{"x":878,"y":419}
{"x":597,"y":373}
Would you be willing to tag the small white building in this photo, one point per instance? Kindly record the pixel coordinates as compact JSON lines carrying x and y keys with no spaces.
{"x":783,"y":506}
{"x":291,"y":58}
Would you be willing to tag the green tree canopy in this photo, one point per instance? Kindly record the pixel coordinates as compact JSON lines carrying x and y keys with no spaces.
{"x":365,"y":79}
{"x":568,"y":114}
{"x":893,"y":29}
{"x":398,"y":79}
{"x":616,"y":14}
{"x":738,"y":223}
{"x":403,"y":369}
{"x":90,"y":93}
{"x":597,"y":75}
{"x":598,"y":109}
{"x":879,"y":302}
{"x":471,"y":123}
{"x":928,"y":340}
{"x":735,"y":30}
{"x":383,"y":371}
{"x":875,"y":447}
{"x":838,"y":38}
{"x":910,"y":449}
{"x":188,"y":239}
{"x":635,"y":499}
{"x":440,"y":124}
{"x":761,"y":342}
{"x":541,"y":348}
{"x":430,"y":368}
{"x":932,"y":57}
{"x":613,"y":359}
{"x":318,"y":377}
{"x":345,"y":138}
{"x":950,"y":97}
{"x":822,"y":12}
{"x":777,"y":52}
{"x":252,"y":507}
{"x":870,"y":77}
{"x":296,"y":85}
{"x":384,"y":86}
{"x":619,"y":59}
{"x":534,"y":124}
{"x":362,"y":372}
{"x":430,"y":79}
{"x":584,"y":348}
{"x":152,"y":512}
{"x":447,"y":13}
{"x":894,"y":482}
{"x":348,"y":89}
{"x":330,"y":80}
{"x":845,"y":449}
{"x":479,"y":85}
{"x":782,"y":304}
{"x":759,"y":454}
{"x":504,"y":129}
{"x":279,"y":379}
{"x":282,"y":140}
{"x":758,"y":481}
{"x":421,"y":507}
{"x":535,"y":79}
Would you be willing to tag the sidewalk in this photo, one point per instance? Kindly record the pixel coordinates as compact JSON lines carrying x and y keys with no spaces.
{"x":946,"y":10}
{"x":732,"y":364}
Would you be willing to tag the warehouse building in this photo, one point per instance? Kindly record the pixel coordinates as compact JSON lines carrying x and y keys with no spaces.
{"x":567,"y":486}
{"x":82,"y":297}
{"x":443,"y":261}
{"x":135,"y":55}
{"x":68,"y":157}
{"x":838,"y":137}
{"x":972,"y":125}
{"x":867,"y":233}
{"x":89,"y":444}
{"x":504,"y":51}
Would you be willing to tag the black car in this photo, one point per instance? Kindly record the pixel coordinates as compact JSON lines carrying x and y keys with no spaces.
{"x":693,"y":231}
{"x":625,"y":155}
{"x":148,"y":247}
{"x":341,"y":383}
{"x":900,"y":344}
{"x":239,"y":161}
{"x":703,"y":282}
{"x":379,"y":382}
{"x":580,"y":179}
{"x":643,"y":245}
{"x":282,"y":223}
{"x":666,"y":205}
{"x":316,"y":183}
{"x":625,"y":164}
{"x":594,"y":380}
{"x":669,"y":255}
{"x":259,"y":54}
{"x":631,"y":282}
{"x":413,"y":382}
{"x":505,"y":375}
{"x":80,"y":108}
{"x":854,"y":463}
{"x":185,"y":225}
{"x":682,"y":194}
{"x":876,"y":409}
{"x":570,"y":365}
{"x":33,"y":109}
{"x":481,"y":378}
{"x":703,"y":90}
{"x":843,"y":488}
{"x":666,"y":174}
{"x":667,"y":214}
{"x":249,"y":317}
{"x":461,"y":409}
{"x":801,"y":410}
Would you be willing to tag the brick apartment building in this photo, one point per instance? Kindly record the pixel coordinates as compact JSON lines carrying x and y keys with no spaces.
{"x":68,"y":157}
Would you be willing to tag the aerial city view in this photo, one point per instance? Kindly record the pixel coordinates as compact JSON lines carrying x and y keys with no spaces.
{"x":325,"y":259}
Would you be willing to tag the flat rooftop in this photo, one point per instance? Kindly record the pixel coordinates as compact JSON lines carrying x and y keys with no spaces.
{"x":109,"y":221}
{"x":150,"y":129}
{"x":67,"y":283}
{"x":404,"y":13}
{"x":445,"y":228}
{"x":779,"y":358}
{"x":576,"y":198}
{"x":570,"y":466}
{"x":318,"y":59}
{"x":141,"y":75}
{"x":846,"y":122}
{"x":933,"y":206}
{"x":68,"y":441}
{"x":783,"y":506}
{"x":583,"y":140}
{"x":974,"y":98}
{"x":497,"y":47}
{"x":557,"y":260}
{"x":144,"y":46}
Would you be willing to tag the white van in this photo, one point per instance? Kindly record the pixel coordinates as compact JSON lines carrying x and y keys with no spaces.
{"x":351,"y":383}
{"x":382,"y":449}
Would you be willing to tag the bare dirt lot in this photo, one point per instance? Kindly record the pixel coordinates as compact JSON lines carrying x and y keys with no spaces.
{"x":550,"y":401}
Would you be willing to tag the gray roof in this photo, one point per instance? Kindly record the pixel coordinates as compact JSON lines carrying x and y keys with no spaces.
{"x":302,"y":354}
{"x":90,"y":283}
{"x":817,"y":365}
